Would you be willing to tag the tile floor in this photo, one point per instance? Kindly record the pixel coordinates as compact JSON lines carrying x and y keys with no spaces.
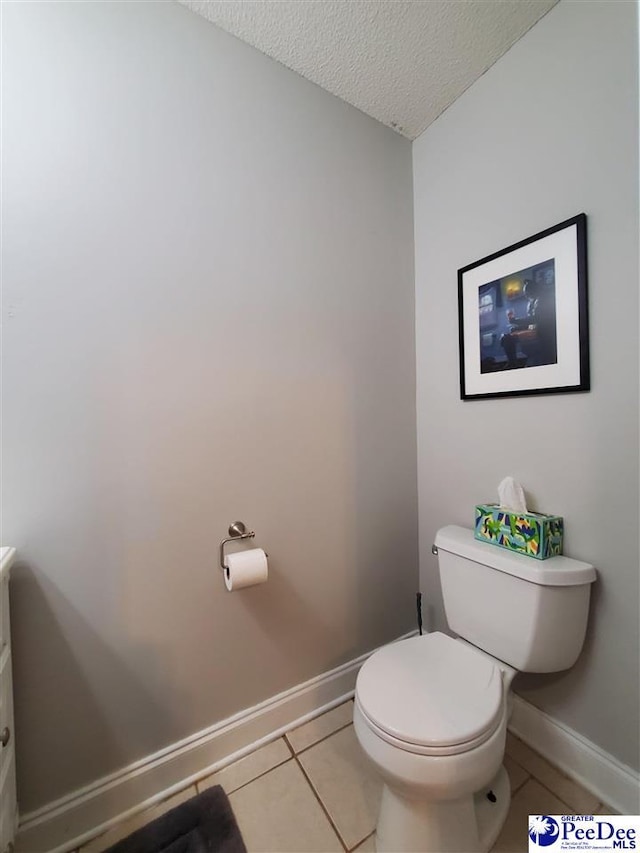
{"x":312,"y":792}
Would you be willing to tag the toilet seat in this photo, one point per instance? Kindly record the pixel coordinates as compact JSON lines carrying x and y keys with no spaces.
{"x":431,"y":695}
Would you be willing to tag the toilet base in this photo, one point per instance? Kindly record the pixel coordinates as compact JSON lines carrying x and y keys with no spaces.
{"x":467,"y":825}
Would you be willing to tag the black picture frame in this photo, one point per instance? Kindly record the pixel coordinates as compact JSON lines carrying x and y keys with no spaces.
{"x":523,"y":317}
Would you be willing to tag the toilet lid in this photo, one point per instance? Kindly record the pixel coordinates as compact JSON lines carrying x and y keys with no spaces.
{"x":431,"y":691}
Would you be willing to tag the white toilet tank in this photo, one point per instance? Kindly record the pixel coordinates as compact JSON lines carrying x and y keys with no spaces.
{"x":531,"y":614}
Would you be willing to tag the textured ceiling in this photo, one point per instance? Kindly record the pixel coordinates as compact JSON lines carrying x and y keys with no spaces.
{"x":400,"y":61}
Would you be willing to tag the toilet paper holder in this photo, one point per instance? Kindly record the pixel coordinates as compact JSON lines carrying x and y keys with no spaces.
{"x":237,"y":531}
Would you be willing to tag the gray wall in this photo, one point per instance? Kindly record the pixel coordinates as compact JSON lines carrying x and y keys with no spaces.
{"x":548,"y":132}
{"x":208,"y":280}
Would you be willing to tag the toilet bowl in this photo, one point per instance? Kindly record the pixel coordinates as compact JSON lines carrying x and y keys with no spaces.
{"x":431,"y":712}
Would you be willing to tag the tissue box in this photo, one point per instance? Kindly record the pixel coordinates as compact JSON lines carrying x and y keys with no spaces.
{"x":530,"y":533}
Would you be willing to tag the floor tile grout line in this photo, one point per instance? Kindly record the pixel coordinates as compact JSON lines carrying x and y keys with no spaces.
{"x":545,"y":785}
{"x":366,"y":838}
{"x":558,"y":797}
{"x":519,"y":787}
{"x":570,"y":809}
{"x":255,"y":778}
{"x":543,"y":758}
{"x":322,"y":739}
{"x":323,"y":807}
{"x":289,"y":744}
{"x":319,"y":716}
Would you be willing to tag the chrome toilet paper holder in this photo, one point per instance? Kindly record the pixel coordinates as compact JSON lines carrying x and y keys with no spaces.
{"x":237,"y":531}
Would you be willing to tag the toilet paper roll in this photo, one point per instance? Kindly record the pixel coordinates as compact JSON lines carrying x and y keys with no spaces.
{"x":246,"y":568}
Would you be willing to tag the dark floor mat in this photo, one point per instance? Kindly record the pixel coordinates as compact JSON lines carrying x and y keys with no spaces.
{"x":203,"y":824}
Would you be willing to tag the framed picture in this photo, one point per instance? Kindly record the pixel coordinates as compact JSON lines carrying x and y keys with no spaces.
{"x":523,"y":320}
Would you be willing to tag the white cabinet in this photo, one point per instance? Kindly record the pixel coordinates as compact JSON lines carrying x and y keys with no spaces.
{"x":8,"y":801}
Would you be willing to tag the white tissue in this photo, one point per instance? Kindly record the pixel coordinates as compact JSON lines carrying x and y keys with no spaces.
{"x":511,"y":496}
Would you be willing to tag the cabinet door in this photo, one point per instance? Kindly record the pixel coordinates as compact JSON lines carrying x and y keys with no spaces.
{"x":8,"y":807}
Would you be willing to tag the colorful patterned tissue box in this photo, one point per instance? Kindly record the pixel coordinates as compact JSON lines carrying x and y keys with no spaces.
{"x":529,"y":533}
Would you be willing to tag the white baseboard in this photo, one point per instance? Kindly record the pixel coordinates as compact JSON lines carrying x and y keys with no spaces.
{"x":607,"y":778}
{"x":65,"y":824}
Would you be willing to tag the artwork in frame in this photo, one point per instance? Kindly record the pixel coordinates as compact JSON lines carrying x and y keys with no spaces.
{"x":523,"y":317}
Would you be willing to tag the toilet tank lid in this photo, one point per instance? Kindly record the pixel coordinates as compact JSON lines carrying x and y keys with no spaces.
{"x":556,"y":571}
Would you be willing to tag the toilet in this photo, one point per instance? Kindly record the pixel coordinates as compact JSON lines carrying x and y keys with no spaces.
{"x":431,"y":711}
